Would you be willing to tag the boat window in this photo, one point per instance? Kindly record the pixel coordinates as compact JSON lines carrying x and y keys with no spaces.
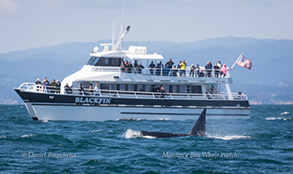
{"x":148,"y":88}
{"x":134,"y":87}
{"x":93,"y":61}
{"x":166,"y":87}
{"x":196,"y":89}
{"x":182,"y":89}
{"x":122,"y":87}
{"x":112,"y":87}
{"x":104,"y":86}
{"x":177,"y":88}
{"x":141,"y":87}
{"x":104,"y":61}
{"x":171,"y":88}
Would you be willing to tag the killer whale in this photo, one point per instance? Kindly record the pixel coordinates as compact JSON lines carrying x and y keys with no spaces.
{"x":198,"y":129}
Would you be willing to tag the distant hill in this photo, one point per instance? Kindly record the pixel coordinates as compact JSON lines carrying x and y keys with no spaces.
{"x":271,"y":59}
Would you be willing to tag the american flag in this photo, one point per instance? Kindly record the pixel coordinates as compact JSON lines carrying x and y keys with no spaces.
{"x":244,"y":62}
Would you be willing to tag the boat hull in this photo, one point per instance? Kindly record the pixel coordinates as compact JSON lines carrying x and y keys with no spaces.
{"x":43,"y":106}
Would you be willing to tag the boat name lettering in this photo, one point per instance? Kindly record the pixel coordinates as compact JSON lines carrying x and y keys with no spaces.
{"x":92,"y":100}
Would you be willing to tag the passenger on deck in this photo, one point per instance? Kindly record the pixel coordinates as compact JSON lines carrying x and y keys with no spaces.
{"x":53,"y":86}
{"x":179,"y":64}
{"x":201,"y":72}
{"x":197,"y":69}
{"x":219,"y":63}
{"x":192,"y":71}
{"x":67,"y":89}
{"x":220,"y":66}
{"x":80,"y":89}
{"x":152,"y":66}
{"x":209,"y":68}
{"x":174,"y":71}
{"x":126,"y":66}
{"x":91,"y":90}
{"x":38,"y":82}
{"x":240,"y":96}
{"x":58,"y":86}
{"x":224,"y":69}
{"x":139,"y":68}
{"x":158,"y":69}
{"x":179,"y":68}
{"x":135,"y":66}
{"x":46,"y":83}
{"x":166,"y":70}
{"x":217,"y":70}
{"x":183,"y":68}
{"x":208,"y":96}
{"x":97,"y":89}
{"x":122,"y":66}
{"x":170,"y":63}
{"x":163,"y":92}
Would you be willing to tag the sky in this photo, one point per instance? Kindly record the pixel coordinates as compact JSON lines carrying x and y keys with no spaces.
{"x":26,"y":24}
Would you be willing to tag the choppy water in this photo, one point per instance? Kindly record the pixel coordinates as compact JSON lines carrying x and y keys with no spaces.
{"x":262,"y":144}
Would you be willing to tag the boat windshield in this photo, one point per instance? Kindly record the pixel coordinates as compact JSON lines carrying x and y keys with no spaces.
{"x":104,"y":61}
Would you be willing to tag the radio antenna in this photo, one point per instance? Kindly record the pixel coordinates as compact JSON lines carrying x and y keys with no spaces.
{"x":122,"y":21}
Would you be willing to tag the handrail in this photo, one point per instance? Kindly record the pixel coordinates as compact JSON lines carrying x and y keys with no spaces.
{"x":188,"y":72}
{"x":130,"y":94}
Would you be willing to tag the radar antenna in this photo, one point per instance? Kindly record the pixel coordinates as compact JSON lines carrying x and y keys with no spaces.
{"x":115,"y":47}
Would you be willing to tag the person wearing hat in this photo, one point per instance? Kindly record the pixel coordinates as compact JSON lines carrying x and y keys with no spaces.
{"x":38,"y":82}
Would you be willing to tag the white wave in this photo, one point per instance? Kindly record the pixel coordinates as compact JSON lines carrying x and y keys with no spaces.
{"x":129,"y":119}
{"x":229,"y":137}
{"x":25,"y":136}
{"x":2,"y":136}
{"x":285,"y":113}
{"x":96,"y":131}
{"x":277,"y":118}
{"x":161,"y":119}
{"x":132,"y":134}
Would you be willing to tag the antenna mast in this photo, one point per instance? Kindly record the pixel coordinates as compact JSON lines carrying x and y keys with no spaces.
{"x":122,"y":21}
{"x":115,"y":47}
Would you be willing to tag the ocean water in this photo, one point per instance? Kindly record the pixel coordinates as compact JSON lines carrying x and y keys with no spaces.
{"x":262,"y":144}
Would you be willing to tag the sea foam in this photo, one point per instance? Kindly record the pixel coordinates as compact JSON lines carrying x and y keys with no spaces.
{"x":132,"y":134}
{"x":229,"y":137}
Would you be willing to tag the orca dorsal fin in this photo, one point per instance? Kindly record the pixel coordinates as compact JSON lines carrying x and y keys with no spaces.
{"x":199,"y":128}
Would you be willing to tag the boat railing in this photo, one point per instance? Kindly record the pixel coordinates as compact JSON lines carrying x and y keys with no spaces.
{"x":188,"y":72}
{"x":28,"y":86}
{"x":130,"y":94}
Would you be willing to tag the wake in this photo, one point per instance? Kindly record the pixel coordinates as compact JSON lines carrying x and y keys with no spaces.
{"x":229,"y":137}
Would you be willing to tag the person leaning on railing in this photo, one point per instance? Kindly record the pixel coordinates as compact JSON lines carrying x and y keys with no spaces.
{"x":46,"y":83}
{"x":58,"y":86}
{"x":209,"y":68}
{"x":152,"y":66}
{"x":139,"y":68}
{"x":67,"y":89}
{"x":174,"y":71}
{"x":192,"y":70}
{"x":96,"y":89}
{"x":217,"y":70}
{"x":52,"y":86}
{"x":38,"y":83}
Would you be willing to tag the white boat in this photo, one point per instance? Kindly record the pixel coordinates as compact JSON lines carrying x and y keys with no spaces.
{"x":131,"y":93}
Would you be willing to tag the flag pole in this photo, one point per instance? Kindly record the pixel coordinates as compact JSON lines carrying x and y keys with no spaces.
{"x":236,"y":61}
